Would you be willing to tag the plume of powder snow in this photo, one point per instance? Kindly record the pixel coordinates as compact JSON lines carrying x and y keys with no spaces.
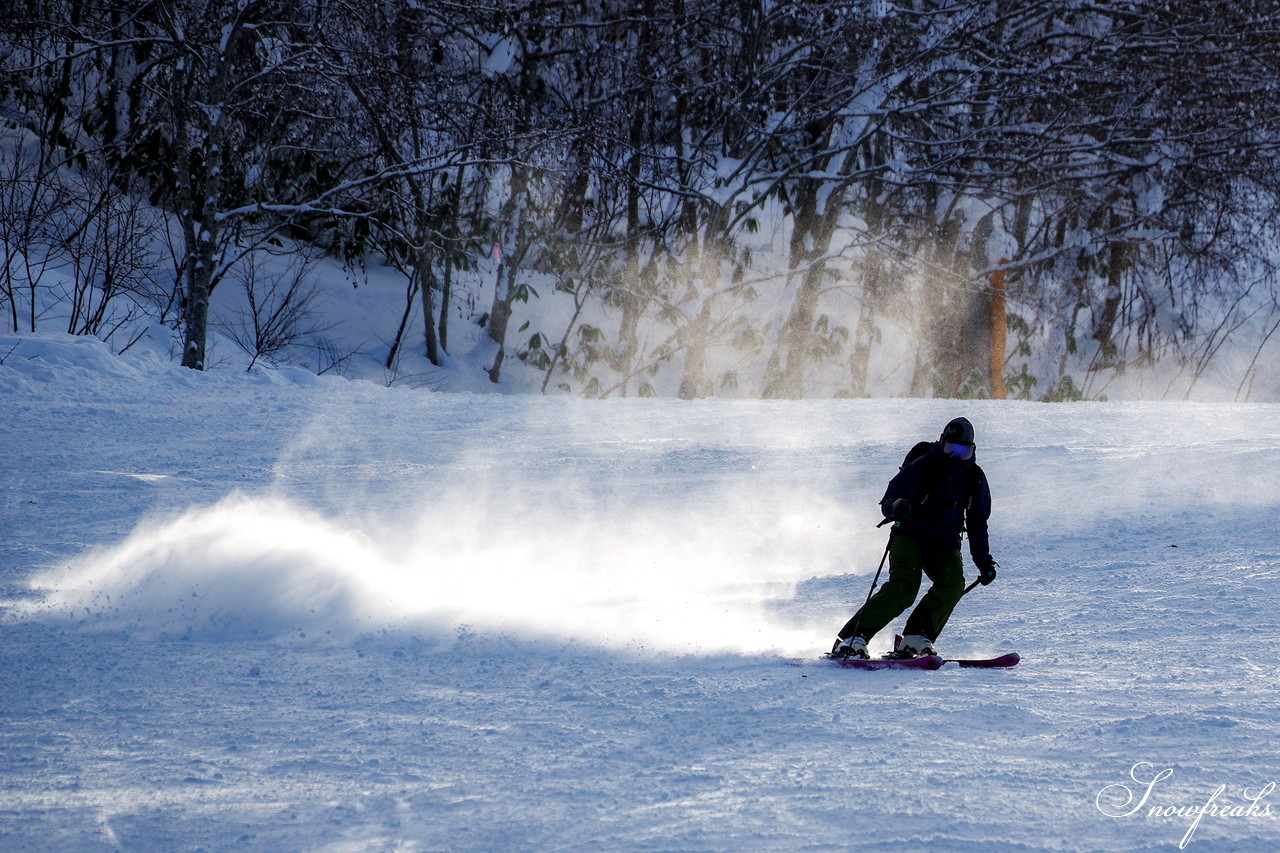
{"x":268,"y":568}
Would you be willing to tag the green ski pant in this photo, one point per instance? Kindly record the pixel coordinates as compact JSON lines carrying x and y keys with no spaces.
{"x":909,"y":558}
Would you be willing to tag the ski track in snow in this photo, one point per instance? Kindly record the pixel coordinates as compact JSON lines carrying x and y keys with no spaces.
{"x":281,"y":613}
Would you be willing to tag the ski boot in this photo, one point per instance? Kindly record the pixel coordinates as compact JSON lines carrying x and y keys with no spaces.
{"x":911,"y":646}
{"x":852,"y":648}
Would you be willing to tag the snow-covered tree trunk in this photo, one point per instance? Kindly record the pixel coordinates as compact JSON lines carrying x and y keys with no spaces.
{"x":506,"y":286}
{"x":426,"y":276}
{"x":817,"y":207}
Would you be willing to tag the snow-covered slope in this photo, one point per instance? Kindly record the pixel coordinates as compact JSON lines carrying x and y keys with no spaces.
{"x":272,"y":611}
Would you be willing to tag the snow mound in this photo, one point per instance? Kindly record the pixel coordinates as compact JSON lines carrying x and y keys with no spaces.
{"x":35,"y":361}
{"x":45,"y":364}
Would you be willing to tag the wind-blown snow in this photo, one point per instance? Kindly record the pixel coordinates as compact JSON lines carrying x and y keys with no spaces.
{"x":266,"y":568}
{"x":280,"y":612}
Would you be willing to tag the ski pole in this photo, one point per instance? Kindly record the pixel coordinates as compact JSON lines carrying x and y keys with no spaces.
{"x":976,"y":581}
{"x":857,"y":626}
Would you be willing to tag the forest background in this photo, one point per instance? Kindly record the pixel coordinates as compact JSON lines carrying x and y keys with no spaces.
{"x":1040,"y":199}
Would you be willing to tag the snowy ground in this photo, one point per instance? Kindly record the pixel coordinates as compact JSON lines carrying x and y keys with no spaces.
{"x":278,"y":613}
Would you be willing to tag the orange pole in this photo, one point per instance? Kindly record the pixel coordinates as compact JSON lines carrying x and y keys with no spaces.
{"x":999,"y":332}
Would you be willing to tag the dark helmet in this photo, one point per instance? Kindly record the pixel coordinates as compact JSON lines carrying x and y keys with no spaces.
{"x":959,"y":431}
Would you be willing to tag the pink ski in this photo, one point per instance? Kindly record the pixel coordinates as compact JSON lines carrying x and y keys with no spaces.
{"x":926,"y":662}
{"x":1010,"y":659}
{"x":923,"y":662}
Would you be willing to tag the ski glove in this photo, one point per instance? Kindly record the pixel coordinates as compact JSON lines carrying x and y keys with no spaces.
{"x":901,"y":509}
{"x":986,"y":569}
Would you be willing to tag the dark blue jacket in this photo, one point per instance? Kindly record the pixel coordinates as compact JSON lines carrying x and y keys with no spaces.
{"x":947,"y":497}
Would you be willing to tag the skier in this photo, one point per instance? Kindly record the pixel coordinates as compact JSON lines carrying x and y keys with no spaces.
{"x":932,"y":500}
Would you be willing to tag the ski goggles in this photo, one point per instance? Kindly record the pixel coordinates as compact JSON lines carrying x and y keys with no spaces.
{"x":955,"y":450}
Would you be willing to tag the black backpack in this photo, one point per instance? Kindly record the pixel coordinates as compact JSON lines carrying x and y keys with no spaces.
{"x":920,"y":449}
